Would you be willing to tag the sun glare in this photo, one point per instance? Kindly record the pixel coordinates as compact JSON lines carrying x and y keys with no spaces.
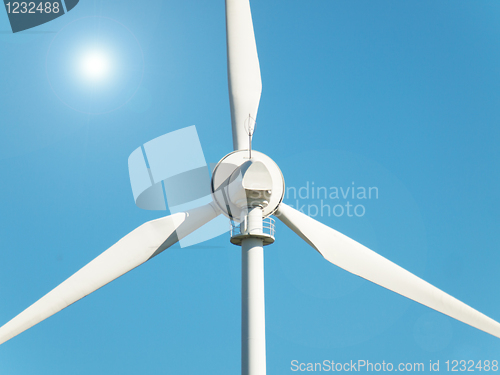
{"x":95,"y":66}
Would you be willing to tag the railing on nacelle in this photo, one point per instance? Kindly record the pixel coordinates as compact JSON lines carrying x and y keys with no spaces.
{"x":268,"y":231}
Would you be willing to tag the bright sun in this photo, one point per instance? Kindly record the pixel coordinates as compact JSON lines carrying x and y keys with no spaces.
{"x":95,"y":66}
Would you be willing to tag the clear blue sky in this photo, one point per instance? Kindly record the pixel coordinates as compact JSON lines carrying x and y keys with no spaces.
{"x":399,"y":95}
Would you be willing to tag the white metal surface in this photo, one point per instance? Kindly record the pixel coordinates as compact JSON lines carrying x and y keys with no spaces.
{"x":225,"y":168}
{"x":245,"y":85}
{"x":253,"y":327}
{"x":135,"y":248}
{"x":250,"y":184}
{"x":359,"y":260}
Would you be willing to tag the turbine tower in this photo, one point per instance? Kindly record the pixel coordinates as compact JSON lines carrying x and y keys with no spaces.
{"x":247,"y":187}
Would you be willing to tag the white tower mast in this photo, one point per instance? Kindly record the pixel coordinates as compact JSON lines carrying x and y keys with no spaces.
{"x":253,"y":326}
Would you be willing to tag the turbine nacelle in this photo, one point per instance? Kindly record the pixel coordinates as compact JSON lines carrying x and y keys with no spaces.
{"x":250,"y":185}
{"x":240,"y":183}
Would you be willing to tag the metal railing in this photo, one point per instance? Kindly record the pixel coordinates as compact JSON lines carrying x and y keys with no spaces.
{"x":268,"y":227}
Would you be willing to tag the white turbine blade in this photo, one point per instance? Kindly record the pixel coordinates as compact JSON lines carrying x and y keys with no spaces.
{"x":243,"y":68}
{"x":359,"y":260}
{"x":135,"y":248}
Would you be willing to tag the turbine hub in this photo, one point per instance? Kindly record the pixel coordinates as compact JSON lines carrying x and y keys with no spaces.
{"x":240,"y":183}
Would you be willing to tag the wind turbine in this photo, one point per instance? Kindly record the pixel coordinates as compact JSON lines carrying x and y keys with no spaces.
{"x":247,"y":188}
